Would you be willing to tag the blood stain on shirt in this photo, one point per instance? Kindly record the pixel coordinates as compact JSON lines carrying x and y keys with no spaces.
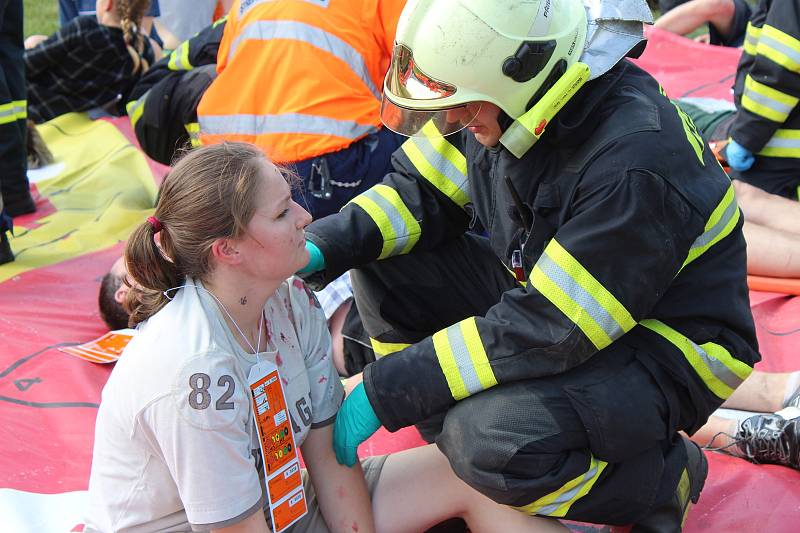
{"x":322,"y":379}
{"x":278,"y":359}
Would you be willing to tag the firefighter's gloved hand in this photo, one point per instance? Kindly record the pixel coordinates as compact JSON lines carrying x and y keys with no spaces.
{"x":355,"y":423}
{"x":739,"y":157}
{"x":316,"y":261}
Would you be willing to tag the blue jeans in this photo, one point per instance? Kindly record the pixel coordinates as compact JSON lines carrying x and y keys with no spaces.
{"x":349,"y":172}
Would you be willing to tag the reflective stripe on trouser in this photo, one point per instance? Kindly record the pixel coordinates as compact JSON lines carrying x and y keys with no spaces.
{"x":720,"y":371}
{"x":751,"y":39}
{"x":560,"y":278}
{"x":13,"y":111}
{"x":766,"y":101}
{"x":440,"y":163}
{"x":193,"y":129}
{"x":399,"y":229}
{"x":317,"y":37}
{"x":784,"y":143}
{"x":779,"y":47}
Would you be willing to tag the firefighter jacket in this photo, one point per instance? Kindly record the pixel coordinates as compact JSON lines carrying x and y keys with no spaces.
{"x":300,"y":79}
{"x":635,"y":238}
{"x":767,"y":88}
{"x":163,"y":105}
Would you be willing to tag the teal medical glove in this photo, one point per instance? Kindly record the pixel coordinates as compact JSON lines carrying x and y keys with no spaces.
{"x":316,"y":261}
{"x":355,"y":423}
{"x":738,"y":157}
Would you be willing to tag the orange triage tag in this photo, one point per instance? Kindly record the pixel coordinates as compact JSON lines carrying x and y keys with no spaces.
{"x":106,"y":349}
{"x":287,"y":498}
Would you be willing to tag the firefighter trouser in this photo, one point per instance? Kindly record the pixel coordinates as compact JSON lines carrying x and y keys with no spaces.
{"x":13,"y":130}
{"x":332,"y":180}
{"x":592,"y":444}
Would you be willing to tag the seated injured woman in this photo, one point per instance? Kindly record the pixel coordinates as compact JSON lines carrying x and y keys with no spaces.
{"x":213,"y":294}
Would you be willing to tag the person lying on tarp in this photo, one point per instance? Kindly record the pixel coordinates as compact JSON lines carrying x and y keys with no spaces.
{"x":91,"y":62}
{"x":771,"y":226}
{"x":554,"y":362}
{"x":176,"y":444}
{"x":726,"y":20}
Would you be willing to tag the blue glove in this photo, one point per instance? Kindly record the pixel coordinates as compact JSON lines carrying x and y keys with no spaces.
{"x":316,"y":261}
{"x":739,"y":157}
{"x":355,"y":423}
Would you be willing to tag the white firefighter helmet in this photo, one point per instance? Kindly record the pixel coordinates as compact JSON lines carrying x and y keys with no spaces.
{"x":449,"y":53}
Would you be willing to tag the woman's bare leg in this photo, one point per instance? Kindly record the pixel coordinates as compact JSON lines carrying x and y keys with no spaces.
{"x":717,"y":434}
{"x":772,"y":252}
{"x":762,"y":392}
{"x":765,"y":209}
{"x":418,"y":489}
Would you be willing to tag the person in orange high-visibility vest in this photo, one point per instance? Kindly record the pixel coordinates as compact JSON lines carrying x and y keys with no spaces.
{"x":302,"y":79}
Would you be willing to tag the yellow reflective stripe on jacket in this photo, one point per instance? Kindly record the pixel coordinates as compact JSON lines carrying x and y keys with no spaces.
{"x":386,"y":348}
{"x":560,"y":278}
{"x":767,"y":102}
{"x":558,"y":503}
{"x":13,"y":111}
{"x":719,"y":370}
{"x":398,"y":227}
{"x":179,"y":58}
{"x":784,"y":143}
{"x":751,"y":37}
{"x":193,"y":129}
{"x":463,"y":359}
{"x":720,"y":224}
{"x":779,"y":47}
{"x":440,"y":163}
{"x":135,"y":108}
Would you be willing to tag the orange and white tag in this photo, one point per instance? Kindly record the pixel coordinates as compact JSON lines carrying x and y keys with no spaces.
{"x":287,"y":498}
{"x":106,"y":349}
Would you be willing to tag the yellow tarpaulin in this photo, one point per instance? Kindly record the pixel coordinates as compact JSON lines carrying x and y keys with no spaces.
{"x":103,"y":190}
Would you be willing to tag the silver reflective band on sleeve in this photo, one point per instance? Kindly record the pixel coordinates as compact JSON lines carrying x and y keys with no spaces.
{"x":136,"y":108}
{"x":769,"y":39}
{"x":286,"y":123}
{"x":458,"y":180}
{"x":719,"y":225}
{"x":784,"y":143}
{"x":402,"y":236}
{"x":298,"y":31}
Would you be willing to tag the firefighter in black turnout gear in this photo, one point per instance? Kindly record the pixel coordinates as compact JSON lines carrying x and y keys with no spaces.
{"x":764,"y":149}
{"x":163,"y":106}
{"x":555,"y":361}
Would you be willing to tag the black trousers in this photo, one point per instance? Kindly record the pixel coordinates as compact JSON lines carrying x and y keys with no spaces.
{"x":593,"y":444}
{"x":13,"y":94}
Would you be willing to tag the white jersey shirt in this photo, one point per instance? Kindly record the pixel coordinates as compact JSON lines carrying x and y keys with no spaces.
{"x":175,"y":446}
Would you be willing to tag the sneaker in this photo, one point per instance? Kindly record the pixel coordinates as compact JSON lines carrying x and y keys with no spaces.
{"x":770,"y":439}
{"x":794,"y":400}
{"x":670,"y":516}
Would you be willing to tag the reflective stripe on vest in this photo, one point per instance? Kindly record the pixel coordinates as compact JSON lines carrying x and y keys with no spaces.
{"x":719,"y":370}
{"x":560,"y":278}
{"x":751,"y":37}
{"x":784,"y":143}
{"x":382,"y":349}
{"x":558,"y":503}
{"x":179,"y":58}
{"x":779,"y":47}
{"x":463,"y":360}
{"x":720,"y":224}
{"x":767,"y":102}
{"x":299,"y":31}
{"x":13,"y":111}
{"x":193,"y":129}
{"x":285,"y":123}
{"x":399,"y":229}
{"x":440,"y":163}
{"x":135,"y":108}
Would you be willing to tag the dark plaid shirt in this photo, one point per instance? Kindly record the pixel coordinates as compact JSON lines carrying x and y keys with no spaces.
{"x":82,"y":66}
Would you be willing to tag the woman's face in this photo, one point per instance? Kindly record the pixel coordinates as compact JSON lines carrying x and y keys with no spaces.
{"x":274,"y":241}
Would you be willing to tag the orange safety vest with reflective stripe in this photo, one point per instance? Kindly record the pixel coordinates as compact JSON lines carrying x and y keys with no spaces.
{"x":300,"y":78}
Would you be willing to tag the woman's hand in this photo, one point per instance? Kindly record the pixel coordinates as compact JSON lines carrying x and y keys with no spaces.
{"x":355,"y":423}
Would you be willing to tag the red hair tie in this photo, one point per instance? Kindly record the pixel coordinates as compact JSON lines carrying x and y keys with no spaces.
{"x":155,"y":223}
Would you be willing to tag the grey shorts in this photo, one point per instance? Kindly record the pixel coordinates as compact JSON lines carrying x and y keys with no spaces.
{"x":313,"y":521}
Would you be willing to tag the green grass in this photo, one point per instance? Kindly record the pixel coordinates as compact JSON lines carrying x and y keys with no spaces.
{"x":41,"y":17}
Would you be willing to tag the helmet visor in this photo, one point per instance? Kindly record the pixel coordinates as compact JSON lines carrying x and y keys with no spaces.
{"x":427,"y":122}
{"x":406,"y":80}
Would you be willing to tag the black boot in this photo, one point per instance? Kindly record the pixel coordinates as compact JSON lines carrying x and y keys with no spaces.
{"x":669,"y":517}
{"x":19,"y":204}
{"x":6,"y":255}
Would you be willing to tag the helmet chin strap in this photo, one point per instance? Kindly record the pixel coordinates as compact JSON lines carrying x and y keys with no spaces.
{"x":615,"y":28}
